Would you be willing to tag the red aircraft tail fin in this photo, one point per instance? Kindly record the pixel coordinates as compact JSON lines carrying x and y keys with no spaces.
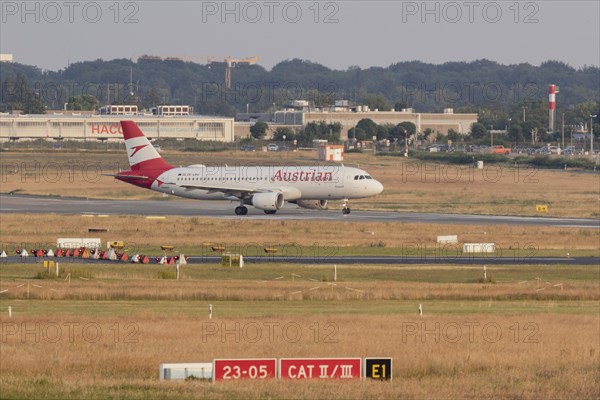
{"x":140,"y":152}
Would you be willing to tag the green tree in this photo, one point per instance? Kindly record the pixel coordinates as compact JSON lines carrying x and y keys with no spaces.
{"x":18,"y":96}
{"x":427,"y":133}
{"x":319,"y":130}
{"x":383,"y":131}
{"x":453,"y":135}
{"x":151,"y":98}
{"x":587,"y":108}
{"x":84,"y":102}
{"x":411,"y":128}
{"x":259,"y":130}
{"x":376,"y":101}
{"x":478,"y":130}
{"x":515,"y":133}
{"x":400,"y":105}
{"x":282,"y":131}
{"x":358,"y":134}
{"x":367,"y":127}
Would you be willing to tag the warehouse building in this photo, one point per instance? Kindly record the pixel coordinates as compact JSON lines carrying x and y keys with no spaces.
{"x":300,"y":115}
{"x":107,"y":127}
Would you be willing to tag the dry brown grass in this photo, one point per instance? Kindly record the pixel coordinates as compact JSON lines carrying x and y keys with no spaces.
{"x":538,"y":356}
{"x":537,"y":344}
{"x":409,"y":185}
{"x":103,"y":287}
{"x":190,"y":233}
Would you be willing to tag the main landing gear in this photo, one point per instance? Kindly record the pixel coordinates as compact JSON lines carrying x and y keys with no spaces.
{"x":270,"y":212}
{"x":241,"y":210}
{"x":345,"y":208}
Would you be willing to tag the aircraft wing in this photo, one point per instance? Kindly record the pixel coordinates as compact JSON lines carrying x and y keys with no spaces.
{"x":240,"y":192}
{"x":290,"y":193}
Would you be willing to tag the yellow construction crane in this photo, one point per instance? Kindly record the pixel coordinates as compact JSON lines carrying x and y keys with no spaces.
{"x":229,"y":63}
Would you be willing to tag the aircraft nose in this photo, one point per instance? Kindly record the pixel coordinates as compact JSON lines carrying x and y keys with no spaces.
{"x":377,"y":187}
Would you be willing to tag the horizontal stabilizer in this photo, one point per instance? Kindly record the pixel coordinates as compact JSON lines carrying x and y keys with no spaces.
{"x":121,"y":176}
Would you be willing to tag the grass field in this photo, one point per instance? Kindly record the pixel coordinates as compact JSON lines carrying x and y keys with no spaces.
{"x":519,"y":336}
{"x":192,"y":236}
{"x":410,"y":185}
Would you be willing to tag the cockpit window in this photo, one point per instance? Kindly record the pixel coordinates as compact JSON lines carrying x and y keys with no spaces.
{"x":368,"y":177}
{"x":355,"y":177}
{"x":362,"y":177}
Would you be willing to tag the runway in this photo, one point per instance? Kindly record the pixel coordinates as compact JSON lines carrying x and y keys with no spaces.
{"x":26,"y":204}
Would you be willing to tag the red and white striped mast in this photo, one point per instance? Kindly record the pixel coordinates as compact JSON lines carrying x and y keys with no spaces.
{"x":552,"y":90}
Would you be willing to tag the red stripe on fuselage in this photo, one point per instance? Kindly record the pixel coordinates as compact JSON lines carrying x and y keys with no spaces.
{"x":150,"y":168}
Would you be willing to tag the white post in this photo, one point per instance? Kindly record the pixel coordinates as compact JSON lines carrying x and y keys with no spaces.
{"x":420,"y":311}
{"x":9,"y":311}
{"x":57,"y":268}
{"x":484,"y":273}
{"x":177,"y":268}
{"x":334,"y":272}
{"x":210,"y":311}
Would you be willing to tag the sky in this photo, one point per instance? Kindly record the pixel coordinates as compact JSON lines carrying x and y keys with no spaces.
{"x":337,"y":34}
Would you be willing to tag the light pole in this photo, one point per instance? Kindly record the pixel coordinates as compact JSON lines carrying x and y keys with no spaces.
{"x":563,"y":130}
{"x":592,"y":133}
{"x":492,"y":135}
{"x":284,"y":141}
{"x":523,"y":113}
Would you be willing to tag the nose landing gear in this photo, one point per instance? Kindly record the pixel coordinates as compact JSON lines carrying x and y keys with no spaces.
{"x":345,"y":208}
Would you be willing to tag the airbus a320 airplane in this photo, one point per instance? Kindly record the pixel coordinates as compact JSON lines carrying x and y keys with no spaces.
{"x":264,"y":187}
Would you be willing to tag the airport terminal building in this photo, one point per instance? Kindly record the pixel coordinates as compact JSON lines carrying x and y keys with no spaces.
{"x":437,"y":122}
{"x":349,"y":118}
{"x":107,"y":127}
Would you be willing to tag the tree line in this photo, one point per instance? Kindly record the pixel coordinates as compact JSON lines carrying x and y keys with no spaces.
{"x":498,"y":93}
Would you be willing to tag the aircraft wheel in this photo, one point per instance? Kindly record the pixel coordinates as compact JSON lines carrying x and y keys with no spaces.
{"x":270,"y":212}
{"x":241,"y":210}
{"x":346,"y":211}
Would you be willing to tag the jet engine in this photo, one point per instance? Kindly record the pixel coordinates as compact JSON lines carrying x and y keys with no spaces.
{"x":269,"y":201}
{"x":312,"y":204}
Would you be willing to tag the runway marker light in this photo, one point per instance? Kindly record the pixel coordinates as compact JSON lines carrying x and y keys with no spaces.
{"x":210,"y":311}
{"x":420,"y":311}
